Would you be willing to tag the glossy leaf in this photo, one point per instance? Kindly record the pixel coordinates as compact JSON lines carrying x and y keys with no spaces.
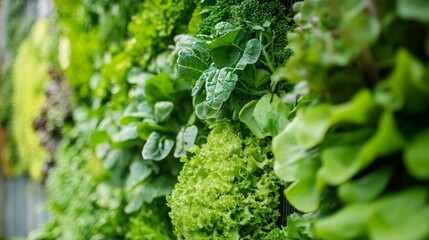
{"x":416,"y":156}
{"x":189,"y":65}
{"x":414,"y":9}
{"x":163,"y":110}
{"x":219,"y":87}
{"x":250,"y":55}
{"x":185,"y":140}
{"x":157,"y":147}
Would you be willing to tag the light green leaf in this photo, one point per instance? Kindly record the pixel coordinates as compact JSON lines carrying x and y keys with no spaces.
{"x":158,"y":187}
{"x":341,"y":163}
{"x":303,"y":194}
{"x":136,"y":111}
{"x":147,"y":126}
{"x":185,"y":140}
{"x":126,"y":136}
{"x":137,"y":76}
{"x":157,"y":147}
{"x":405,"y":86}
{"x":219,"y":87}
{"x":246,"y":116}
{"x":208,"y":74}
{"x":139,"y":171}
{"x":367,"y":187}
{"x":159,"y":88}
{"x":287,"y":152}
{"x":360,"y":30}
{"x":163,"y":110}
{"x":401,"y":216}
{"x":313,"y":125}
{"x":226,"y":39}
{"x":416,"y":156}
{"x":347,"y":223}
{"x":270,"y":114}
{"x":414,"y":9}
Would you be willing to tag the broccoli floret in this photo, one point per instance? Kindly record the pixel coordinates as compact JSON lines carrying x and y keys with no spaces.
{"x":273,"y":11}
{"x":255,"y":11}
{"x":218,"y":11}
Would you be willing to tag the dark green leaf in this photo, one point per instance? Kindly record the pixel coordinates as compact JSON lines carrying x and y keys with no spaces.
{"x":226,"y":56}
{"x":250,"y":55}
{"x":189,"y":65}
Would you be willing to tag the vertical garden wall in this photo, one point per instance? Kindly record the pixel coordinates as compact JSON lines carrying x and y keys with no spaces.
{"x":188,"y":119}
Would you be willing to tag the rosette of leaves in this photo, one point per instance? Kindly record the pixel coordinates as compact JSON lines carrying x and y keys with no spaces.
{"x":354,"y":156}
{"x":230,"y":68}
{"x":226,"y":189}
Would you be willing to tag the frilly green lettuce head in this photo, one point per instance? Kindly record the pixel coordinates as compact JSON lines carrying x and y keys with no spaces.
{"x":226,"y":190}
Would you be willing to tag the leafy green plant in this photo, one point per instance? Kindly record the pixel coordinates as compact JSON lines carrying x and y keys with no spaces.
{"x":352,"y":152}
{"x":226,"y":189}
{"x":29,"y":74}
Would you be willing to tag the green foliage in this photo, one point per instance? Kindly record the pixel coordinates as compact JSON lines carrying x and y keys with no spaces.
{"x":155,"y":25}
{"x":230,"y":68}
{"x":29,"y":75}
{"x":227,"y":170}
{"x":248,"y":13}
{"x":358,"y":136}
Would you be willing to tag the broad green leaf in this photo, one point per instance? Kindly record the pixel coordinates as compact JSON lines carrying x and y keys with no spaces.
{"x":261,"y":77}
{"x":189,"y":65}
{"x":98,"y":137}
{"x":246,"y":116}
{"x":250,"y":55}
{"x":157,"y":147}
{"x":222,"y":28}
{"x":159,"y":88}
{"x":224,"y":40}
{"x":271,"y":114}
{"x":139,"y":171}
{"x":416,"y":156}
{"x":365,"y":188}
{"x":226,"y":56}
{"x":360,"y":30}
{"x":220,"y":87}
{"x":347,"y":223}
{"x":303,"y":194}
{"x":400,"y":216}
{"x":287,"y":152}
{"x":163,"y":110}
{"x":147,"y":126}
{"x":185,"y":140}
{"x":406,"y":87}
{"x":361,"y":109}
{"x":208,"y":74}
{"x":136,"y":111}
{"x":413,"y":9}
{"x":158,"y":187}
{"x":341,"y":163}
{"x":313,"y":125}
{"x":126,"y":136}
{"x":136,"y":76}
